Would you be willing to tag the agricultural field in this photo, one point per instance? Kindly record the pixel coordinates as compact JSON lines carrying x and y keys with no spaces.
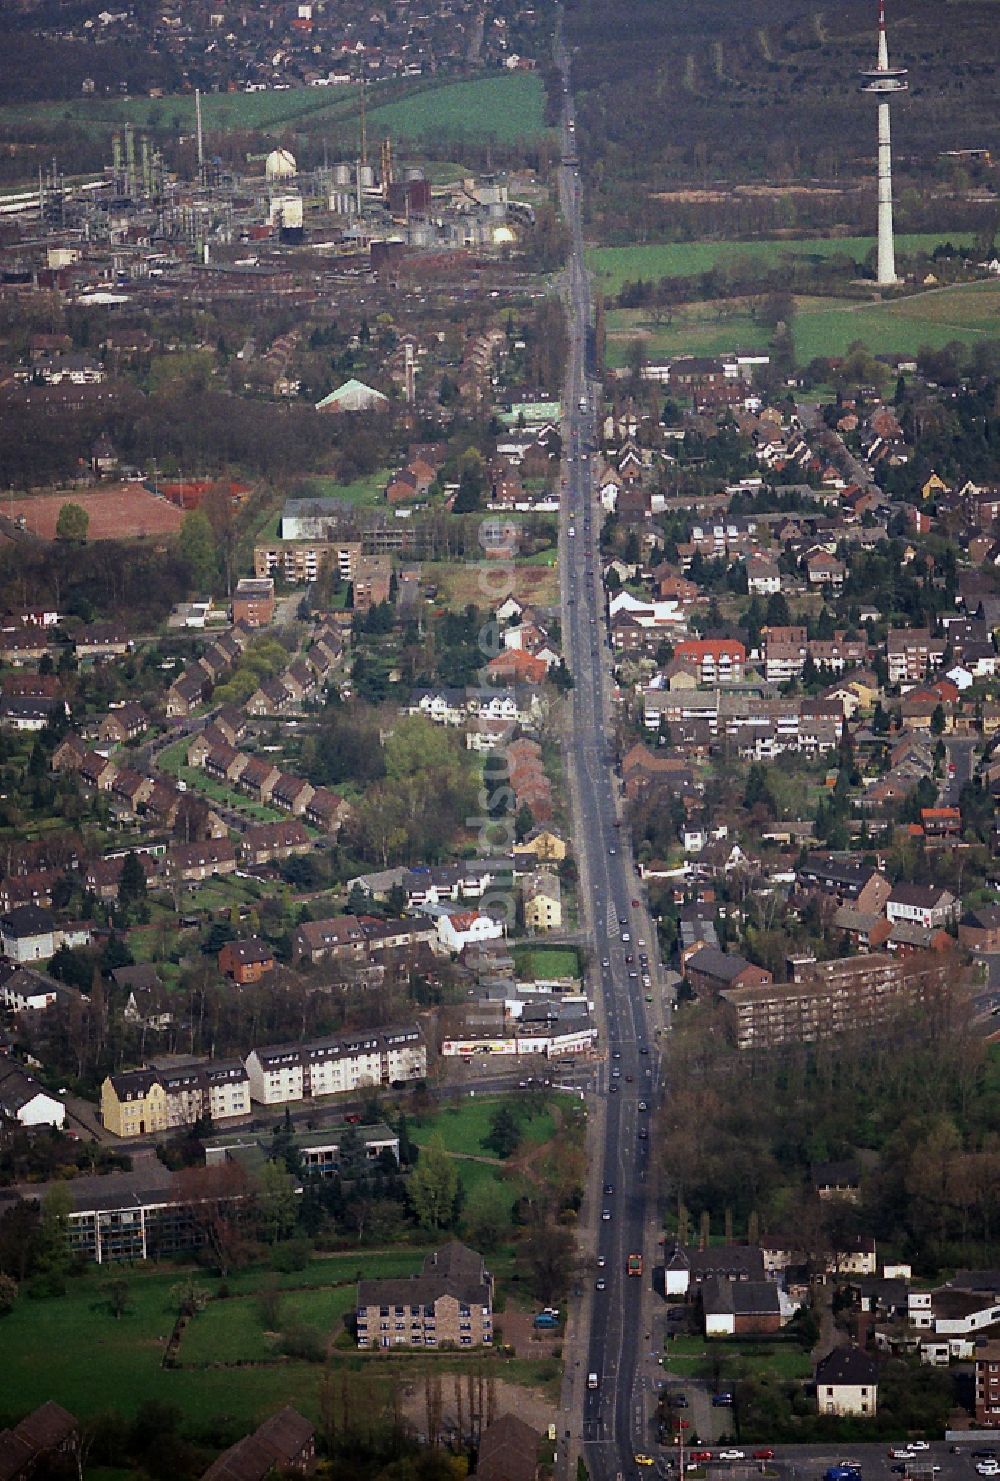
{"x":509,"y":107}
{"x":821,"y":327}
{"x":613,"y":266}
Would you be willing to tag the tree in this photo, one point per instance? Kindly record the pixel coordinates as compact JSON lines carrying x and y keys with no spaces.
{"x":938,"y":720}
{"x":549,"y":1251}
{"x":131,"y":881}
{"x":116,"y":1291}
{"x":504,"y":1135}
{"x":433,"y":1186}
{"x":277,"y":1202}
{"x":196,"y":547}
{"x":72,"y":524}
{"x":53,"y":1254}
{"x":8,"y":1294}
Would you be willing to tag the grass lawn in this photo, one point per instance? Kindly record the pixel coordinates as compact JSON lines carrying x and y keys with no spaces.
{"x":614,"y":266}
{"x":692,"y":1357}
{"x":463,"y":1128}
{"x":531,"y":962}
{"x":363,"y":491}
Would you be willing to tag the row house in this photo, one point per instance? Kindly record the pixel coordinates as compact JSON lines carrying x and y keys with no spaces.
{"x":223,"y":762}
{"x":129,"y":791}
{"x":257,"y":779}
{"x":197,"y":861}
{"x":341,"y":1062}
{"x":267,"y":841}
{"x":185,"y":694}
{"x":291,"y":793}
{"x":327,"y":811}
{"x":123,"y":724}
{"x":339,"y":939}
{"x":96,"y":773}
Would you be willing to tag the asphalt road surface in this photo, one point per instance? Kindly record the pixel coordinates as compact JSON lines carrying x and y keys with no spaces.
{"x":612,"y":1420}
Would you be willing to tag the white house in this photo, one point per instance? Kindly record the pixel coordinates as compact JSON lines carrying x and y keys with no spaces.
{"x":465,"y":928}
{"x":921,"y":905}
{"x":28,"y":934}
{"x":23,"y":1100}
{"x":25,"y":991}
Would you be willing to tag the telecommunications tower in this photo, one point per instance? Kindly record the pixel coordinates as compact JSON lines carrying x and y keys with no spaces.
{"x":882,"y":84}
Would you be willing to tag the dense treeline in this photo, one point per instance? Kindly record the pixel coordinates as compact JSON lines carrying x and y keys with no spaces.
{"x":920,"y":1105}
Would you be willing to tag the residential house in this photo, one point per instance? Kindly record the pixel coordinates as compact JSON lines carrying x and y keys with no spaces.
{"x":197,"y":861}
{"x":464,"y":928}
{"x":144,"y":1101}
{"x":709,"y":970}
{"x":246,"y":961}
{"x":283,"y":1445}
{"x":28,"y":933}
{"x":326,"y":811}
{"x":508,"y":1451}
{"x":450,"y":1302}
{"x":26,"y":1103}
{"x":266,"y":841}
{"x":847,"y":1383}
{"x":922,"y":905}
{"x":988,"y":1385}
{"x":542,"y":902}
{"x":40,"y":1444}
{"x":741,"y":1308}
{"x":123,"y":725}
{"x":339,"y":939}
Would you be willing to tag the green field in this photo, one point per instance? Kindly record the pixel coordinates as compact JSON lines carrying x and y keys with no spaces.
{"x":822,"y":326}
{"x":613,"y":266}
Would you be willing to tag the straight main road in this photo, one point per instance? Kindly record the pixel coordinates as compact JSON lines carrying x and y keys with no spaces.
{"x":612,"y":1421}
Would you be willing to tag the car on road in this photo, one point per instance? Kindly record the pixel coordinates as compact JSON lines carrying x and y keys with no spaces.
{"x":609,"y":1190}
{"x":605,"y":962}
{"x":626,"y":936}
{"x":600,"y":1283}
{"x":900,"y":1452}
{"x":643,"y":1106}
{"x":616,"y":1054}
{"x":606,"y":1215}
{"x":615,"y":1072}
{"x":614,"y":1087}
{"x":643,"y":1134}
{"x":601,"y":1262}
{"x":988,"y":1467}
{"x":642,"y":1460}
{"x":612,"y":850}
{"x":679,"y":1401}
{"x":699,"y":1457}
{"x":917,"y":1445}
{"x":732,"y":1455}
{"x":643,"y":1048}
{"x":635,"y":905}
{"x":722,"y":1401}
{"x":766,"y":1453}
